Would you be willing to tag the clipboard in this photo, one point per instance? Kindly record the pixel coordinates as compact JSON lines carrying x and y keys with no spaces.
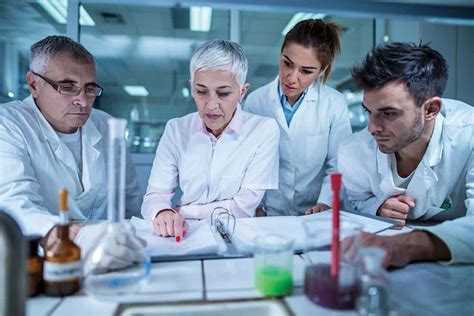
{"x":223,"y":227}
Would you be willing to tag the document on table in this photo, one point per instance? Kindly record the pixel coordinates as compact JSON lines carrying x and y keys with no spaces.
{"x":247,"y":229}
{"x":198,"y":240}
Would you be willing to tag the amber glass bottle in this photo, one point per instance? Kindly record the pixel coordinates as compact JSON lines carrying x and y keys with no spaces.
{"x":62,"y":269}
{"x":34,"y":266}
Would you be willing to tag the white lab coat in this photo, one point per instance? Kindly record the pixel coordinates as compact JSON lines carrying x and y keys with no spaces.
{"x":308,"y":147}
{"x":35,"y":165}
{"x":446,"y":173}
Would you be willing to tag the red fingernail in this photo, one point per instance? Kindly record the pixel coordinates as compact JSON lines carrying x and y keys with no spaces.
{"x":178,"y":239}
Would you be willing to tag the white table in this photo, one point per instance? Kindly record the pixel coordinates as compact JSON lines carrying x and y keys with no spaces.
{"x":419,"y":289}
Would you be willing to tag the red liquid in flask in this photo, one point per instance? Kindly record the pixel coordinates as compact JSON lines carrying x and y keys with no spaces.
{"x":323,"y":289}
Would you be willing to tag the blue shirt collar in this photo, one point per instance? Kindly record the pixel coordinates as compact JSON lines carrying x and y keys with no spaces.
{"x":289,"y":110}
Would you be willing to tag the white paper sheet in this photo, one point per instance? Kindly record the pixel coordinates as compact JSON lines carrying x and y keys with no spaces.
{"x":369,"y":224}
{"x":247,"y":229}
{"x":198,"y":239}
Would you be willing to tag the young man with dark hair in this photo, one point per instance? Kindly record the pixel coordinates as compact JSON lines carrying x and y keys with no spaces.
{"x":415,"y":159}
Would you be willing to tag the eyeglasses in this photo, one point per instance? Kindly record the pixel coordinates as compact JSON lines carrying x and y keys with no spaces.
{"x":69,"y":89}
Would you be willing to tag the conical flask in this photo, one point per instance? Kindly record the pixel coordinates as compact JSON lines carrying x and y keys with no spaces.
{"x":119,"y":263}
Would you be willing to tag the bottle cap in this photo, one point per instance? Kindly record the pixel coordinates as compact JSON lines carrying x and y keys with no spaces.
{"x":117,"y":127}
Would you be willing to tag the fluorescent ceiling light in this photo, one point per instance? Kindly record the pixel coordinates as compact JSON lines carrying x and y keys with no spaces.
{"x":451,"y":21}
{"x":200,"y":19}
{"x":136,"y":91}
{"x":84,"y":17}
{"x":57,"y":9}
{"x":300,"y":17}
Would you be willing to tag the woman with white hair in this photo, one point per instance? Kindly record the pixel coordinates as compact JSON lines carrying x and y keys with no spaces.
{"x":219,"y":156}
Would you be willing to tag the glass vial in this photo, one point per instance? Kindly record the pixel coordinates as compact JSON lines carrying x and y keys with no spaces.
{"x":101,"y":279}
{"x":62,"y":261}
{"x":374,"y":300}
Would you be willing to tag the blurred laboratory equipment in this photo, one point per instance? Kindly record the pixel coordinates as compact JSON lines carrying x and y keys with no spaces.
{"x":12,"y":275}
{"x":273,"y":257}
{"x":374,"y":298}
{"x":322,"y":288}
{"x":119,"y":262}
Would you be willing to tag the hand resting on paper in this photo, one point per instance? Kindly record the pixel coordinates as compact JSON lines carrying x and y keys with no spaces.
{"x":317,"y":208}
{"x":403,"y":248}
{"x":170,"y":223}
{"x":397,"y":208}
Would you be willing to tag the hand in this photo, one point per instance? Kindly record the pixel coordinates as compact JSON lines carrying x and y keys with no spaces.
{"x":403,"y":248}
{"x":397,"y":208}
{"x":168,"y":223}
{"x":395,"y":256}
{"x":317,"y":208}
{"x":52,"y":236}
{"x":110,"y":246}
{"x":260,"y":212}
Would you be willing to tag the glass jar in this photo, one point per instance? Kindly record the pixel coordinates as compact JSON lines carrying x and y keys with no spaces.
{"x":322,"y":288}
{"x":273,"y":257}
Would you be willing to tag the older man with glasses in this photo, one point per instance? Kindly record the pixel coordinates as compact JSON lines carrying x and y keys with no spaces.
{"x":54,"y":139}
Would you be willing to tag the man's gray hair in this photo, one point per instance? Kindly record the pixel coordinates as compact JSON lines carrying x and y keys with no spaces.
{"x":47,"y":48}
{"x":220,"y":55}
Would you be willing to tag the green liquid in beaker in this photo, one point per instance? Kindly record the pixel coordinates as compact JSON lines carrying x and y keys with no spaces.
{"x":274,"y":281}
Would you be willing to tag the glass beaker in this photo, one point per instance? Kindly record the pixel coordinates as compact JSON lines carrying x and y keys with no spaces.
{"x":341,"y":291}
{"x":273,"y":258}
{"x":105,"y":275}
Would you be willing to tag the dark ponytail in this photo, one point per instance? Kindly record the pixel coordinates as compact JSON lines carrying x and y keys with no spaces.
{"x":320,"y":36}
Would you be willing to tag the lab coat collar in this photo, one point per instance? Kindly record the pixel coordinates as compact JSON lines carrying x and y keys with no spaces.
{"x":236,"y":124}
{"x":424,"y":177}
{"x":309,"y":100}
{"x":312,"y":91}
{"x":47,"y":131}
{"x":90,"y":138}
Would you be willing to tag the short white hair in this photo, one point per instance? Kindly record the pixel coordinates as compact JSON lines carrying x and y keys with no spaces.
{"x":47,"y":48}
{"x":220,"y":55}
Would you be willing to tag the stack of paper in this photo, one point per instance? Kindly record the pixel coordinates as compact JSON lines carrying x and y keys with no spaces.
{"x":198,"y":240}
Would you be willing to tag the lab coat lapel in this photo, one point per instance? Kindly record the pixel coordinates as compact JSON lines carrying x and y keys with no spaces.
{"x":384,"y":169}
{"x":49,"y":136}
{"x":276,"y":106}
{"x":424,"y":176}
{"x":90,"y":153}
{"x":309,"y":102}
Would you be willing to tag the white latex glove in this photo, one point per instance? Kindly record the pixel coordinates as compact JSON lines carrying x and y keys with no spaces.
{"x":106,"y":247}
